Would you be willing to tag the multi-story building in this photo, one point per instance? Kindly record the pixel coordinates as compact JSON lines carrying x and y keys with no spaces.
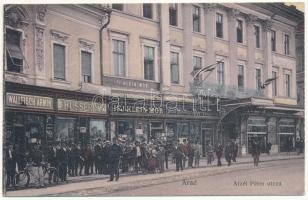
{"x":70,"y":76}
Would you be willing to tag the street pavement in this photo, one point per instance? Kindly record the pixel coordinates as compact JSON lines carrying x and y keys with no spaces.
{"x":97,"y":184}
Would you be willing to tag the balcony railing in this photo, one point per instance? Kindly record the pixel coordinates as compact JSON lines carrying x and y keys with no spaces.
{"x":224,"y":91}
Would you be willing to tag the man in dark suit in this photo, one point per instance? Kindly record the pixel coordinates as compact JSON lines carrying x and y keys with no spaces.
{"x":114,"y":154}
{"x":229,"y":153}
{"x":10,"y":165}
{"x":52,"y":159}
{"x":62,"y":159}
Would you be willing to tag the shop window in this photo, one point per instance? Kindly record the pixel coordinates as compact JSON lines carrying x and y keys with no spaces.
{"x":119,"y":57}
{"x":147,"y":10}
{"x":86,"y":61}
{"x":13,"y":51}
{"x":174,"y":68}
{"x":156,"y":130}
{"x":98,"y":129}
{"x":219,"y":25}
{"x":149,"y":63}
{"x":196,"y":19}
{"x":125,"y":130}
{"x":257,"y":126}
{"x":171,"y":131}
{"x":195,"y":132}
{"x":173,"y":14}
{"x":286,"y":131}
{"x":65,"y":128}
{"x":141,"y":131}
{"x":59,"y":61}
{"x":183,"y":130}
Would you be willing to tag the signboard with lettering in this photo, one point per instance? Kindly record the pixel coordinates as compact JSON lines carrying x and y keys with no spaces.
{"x":129,"y":83}
{"x":28,"y":101}
{"x":81,"y":106}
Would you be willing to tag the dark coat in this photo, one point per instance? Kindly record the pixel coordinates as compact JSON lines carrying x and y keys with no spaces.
{"x":52,"y":156}
{"x":114,"y":153}
{"x":256,"y":149}
{"x":36,"y":157}
{"x":228,"y":152}
{"x":10,"y":161}
{"x":219,"y":151}
{"x":62,"y":156}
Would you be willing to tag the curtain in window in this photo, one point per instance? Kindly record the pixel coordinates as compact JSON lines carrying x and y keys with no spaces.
{"x":148,"y":63}
{"x":59,"y":61}
{"x":174,"y":68}
{"x":119,"y":58}
{"x":86,"y":63}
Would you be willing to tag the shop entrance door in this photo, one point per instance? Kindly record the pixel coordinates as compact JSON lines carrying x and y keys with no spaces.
{"x":286,"y":143}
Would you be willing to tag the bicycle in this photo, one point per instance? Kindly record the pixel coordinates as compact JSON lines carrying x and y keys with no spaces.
{"x":22,"y":178}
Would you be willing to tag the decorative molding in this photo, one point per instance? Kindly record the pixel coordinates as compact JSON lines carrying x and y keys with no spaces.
{"x":86,"y":44}
{"x":251,"y":19}
{"x":16,"y":17}
{"x":41,"y":13}
{"x":39,"y":48}
{"x":267,"y":25}
{"x":210,"y":7}
{"x":234,"y":12}
{"x":58,"y":35}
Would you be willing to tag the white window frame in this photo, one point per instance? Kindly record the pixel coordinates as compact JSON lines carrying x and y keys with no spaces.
{"x":200,"y":18}
{"x":66,"y":60}
{"x":154,"y":45}
{"x":225,"y":61}
{"x":178,"y":50}
{"x":92,"y":63}
{"x":125,"y":39}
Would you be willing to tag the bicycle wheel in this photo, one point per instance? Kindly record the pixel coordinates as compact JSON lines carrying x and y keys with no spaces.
{"x":22,"y":179}
{"x":53,"y":175}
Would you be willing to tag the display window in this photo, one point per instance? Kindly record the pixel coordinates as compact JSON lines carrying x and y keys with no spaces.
{"x":98,"y":129}
{"x":65,"y":128}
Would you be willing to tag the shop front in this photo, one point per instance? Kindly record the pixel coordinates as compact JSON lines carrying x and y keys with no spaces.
{"x":36,"y":115}
{"x":286,"y":132}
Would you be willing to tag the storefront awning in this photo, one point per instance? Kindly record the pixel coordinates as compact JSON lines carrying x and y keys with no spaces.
{"x":284,"y":108}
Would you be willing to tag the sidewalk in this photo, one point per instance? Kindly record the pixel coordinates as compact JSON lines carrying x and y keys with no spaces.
{"x":171,"y":170}
{"x":203,"y":164}
{"x":82,"y":186}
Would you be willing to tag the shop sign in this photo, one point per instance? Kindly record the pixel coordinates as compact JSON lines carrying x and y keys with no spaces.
{"x":137,"y":109}
{"x":29,"y":101}
{"x":129,"y":83}
{"x":81,"y":106}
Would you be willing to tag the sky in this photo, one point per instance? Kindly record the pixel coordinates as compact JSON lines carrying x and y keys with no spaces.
{"x":299,"y":6}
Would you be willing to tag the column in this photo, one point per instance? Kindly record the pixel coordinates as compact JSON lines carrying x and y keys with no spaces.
{"x":251,"y":41}
{"x":231,"y":72}
{"x":187,"y":51}
{"x":39,"y":39}
{"x":210,"y":35}
{"x":165,"y":47}
{"x":267,"y":68}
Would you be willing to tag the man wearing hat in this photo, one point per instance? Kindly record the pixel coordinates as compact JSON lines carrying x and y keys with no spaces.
{"x":10,"y":165}
{"x":52,"y":158}
{"x":114,"y":155}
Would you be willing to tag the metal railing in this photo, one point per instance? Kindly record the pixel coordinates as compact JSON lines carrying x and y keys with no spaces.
{"x":224,"y":91}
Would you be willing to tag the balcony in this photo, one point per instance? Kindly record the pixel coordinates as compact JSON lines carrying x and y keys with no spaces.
{"x":224,"y":91}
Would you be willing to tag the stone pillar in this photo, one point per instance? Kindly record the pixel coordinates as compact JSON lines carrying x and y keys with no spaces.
{"x":187,"y":51}
{"x":251,"y":41}
{"x":231,"y":71}
{"x":267,"y":68}
{"x":39,"y":43}
{"x":210,"y":35}
{"x":165,"y":47}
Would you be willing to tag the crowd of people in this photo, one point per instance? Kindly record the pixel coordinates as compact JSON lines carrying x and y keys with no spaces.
{"x":105,"y":157}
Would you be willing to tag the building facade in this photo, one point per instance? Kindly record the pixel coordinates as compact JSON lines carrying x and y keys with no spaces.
{"x":79,"y":73}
